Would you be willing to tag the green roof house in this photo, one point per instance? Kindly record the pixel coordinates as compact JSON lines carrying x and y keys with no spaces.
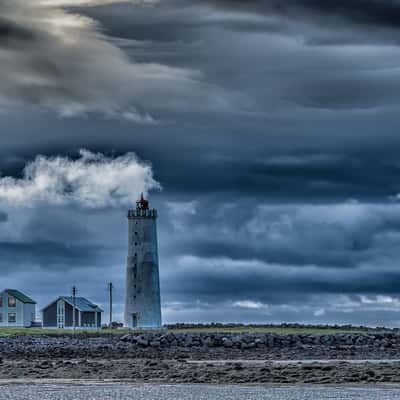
{"x":17,"y":310}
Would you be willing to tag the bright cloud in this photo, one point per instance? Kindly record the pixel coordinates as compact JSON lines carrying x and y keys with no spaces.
{"x":249,"y":304}
{"x":92,"y":180}
{"x":62,"y":61}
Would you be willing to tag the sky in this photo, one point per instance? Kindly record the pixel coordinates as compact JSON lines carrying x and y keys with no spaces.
{"x":265,"y":132}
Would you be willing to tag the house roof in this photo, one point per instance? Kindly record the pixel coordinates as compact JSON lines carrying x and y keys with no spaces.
{"x":81,"y":304}
{"x":20,"y":296}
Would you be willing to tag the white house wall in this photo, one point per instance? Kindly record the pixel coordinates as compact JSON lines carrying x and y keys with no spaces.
{"x":29,"y":314}
{"x":23,"y":312}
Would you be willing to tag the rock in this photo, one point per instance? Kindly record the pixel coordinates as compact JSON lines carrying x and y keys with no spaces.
{"x":125,"y":338}
{"x":142,"y":342}
{"x":208,"y":341}
{"x":246,"y":346}
{"x":151,"y":363}
{"x":227,"y":342}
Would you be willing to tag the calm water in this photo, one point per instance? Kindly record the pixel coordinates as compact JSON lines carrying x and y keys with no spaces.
{"x":189,"y":392}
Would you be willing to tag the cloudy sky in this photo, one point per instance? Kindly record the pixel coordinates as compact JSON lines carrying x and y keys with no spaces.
{"x":266,"y":132}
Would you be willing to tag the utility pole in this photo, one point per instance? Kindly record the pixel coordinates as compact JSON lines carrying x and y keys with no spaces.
{"x":110,"y":291}
{"x":73,"y":310}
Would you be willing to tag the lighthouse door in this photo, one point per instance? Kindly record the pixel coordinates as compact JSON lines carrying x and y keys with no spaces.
{"x":134,"y":320}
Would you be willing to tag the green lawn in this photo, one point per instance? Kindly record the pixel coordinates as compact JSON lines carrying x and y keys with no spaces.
{"x":38,"y":331}
{"x":278,"y":330}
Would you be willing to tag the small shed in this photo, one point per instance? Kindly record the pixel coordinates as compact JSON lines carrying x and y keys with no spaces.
{"x":59,"y":313}
{"x":17,"y":310}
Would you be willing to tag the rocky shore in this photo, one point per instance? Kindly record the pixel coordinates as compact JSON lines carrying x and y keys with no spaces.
{"x":205,"y":358}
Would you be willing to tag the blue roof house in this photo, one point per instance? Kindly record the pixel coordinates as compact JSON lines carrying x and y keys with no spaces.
{"x":59,"y":313}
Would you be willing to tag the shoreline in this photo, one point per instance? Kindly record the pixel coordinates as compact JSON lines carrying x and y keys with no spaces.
{"x":129,"y":391}
{"x":112,"y":382}
{"x":141,"y":371}
{"x":167,"y":358}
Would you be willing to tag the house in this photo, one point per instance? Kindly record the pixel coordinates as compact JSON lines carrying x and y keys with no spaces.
{"x":16,"y":309}
{"x":59,"y":313}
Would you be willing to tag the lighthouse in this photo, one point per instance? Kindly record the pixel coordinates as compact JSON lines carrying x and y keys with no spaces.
{"x":142,"y":296}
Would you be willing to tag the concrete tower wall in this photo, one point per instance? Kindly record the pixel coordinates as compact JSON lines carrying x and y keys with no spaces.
{"x":142,"y":300}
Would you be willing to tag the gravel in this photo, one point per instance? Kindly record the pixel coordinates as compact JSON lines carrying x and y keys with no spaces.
{"x":170,"y":358}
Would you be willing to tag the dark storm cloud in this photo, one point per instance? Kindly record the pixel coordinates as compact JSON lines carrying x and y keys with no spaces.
{"x":11,"y":33}
{"x":47,"y":224}
{"x":3,"y":217}
{"x":51,"y":239}
{"x":279,"y":254}
{"x":48,"y":254}
{"x":347,"y":91}
{"x":336,"y":235}
{"x":275,"y":287}
{"x":317,"y":22}
{"x":282,"y":209}
{"x":289,"y":74}
{"x":293,"y":177}
{"x":382,"y":13}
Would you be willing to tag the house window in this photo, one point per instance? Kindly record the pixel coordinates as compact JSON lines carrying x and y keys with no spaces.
{"x":12,"y":317}
{"x":1,"y":318}
{"x":12,"y":302}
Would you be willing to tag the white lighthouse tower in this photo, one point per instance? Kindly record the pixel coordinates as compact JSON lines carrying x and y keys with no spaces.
{"x":142,"y":298}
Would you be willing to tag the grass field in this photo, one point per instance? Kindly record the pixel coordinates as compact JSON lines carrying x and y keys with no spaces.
{"x":38,"y":331}
{"x":278,"y":330}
